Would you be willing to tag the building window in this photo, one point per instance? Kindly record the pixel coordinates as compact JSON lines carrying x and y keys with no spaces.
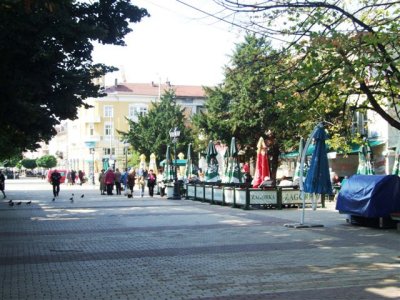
{"x":108,"y":111}
{"x":108,"y":129}
{"x":108,"y":151}
{"x":135,"y":111}
{"x":91,"y":129}
{"x":360,"y":123}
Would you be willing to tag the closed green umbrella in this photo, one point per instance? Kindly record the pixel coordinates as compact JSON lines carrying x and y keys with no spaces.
{"x":227,"y":155}
{"x":364,"y":160}
{"x":296,"y":175}
{"x":189,"y":171}
{"x":168,"y":171}
{"x":234,"y":174}
{"x":212,"y":174}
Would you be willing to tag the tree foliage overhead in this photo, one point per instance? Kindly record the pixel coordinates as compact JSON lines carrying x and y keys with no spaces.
{"x":46,"y":67}
{"x":151,"y":133}
{"x":346,"y":47}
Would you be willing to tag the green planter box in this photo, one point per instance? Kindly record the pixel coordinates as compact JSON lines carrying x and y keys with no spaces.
{"x":191,"y":191}
{"x":199,"y":192}
{"x":229,"y":195}
{"x":218,"y":194}
{"x":208,"y":193}
{"x":263,"y":197}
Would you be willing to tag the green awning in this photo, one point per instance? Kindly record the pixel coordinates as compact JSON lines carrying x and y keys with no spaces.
{"x":179,"y":162}
{"x":354,"y":149}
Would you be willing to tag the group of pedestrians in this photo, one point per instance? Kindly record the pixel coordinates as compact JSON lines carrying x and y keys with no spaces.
{"x":73,"y":177}
{"x":127,"y":180}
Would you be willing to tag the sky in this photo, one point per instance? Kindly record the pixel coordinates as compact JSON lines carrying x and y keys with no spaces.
{"x":176,"y":44}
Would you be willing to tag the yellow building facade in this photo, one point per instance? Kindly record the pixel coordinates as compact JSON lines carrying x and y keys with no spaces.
{"x":94,"y":137}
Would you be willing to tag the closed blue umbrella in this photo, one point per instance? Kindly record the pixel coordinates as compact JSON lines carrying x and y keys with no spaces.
{"x":212,"y":174}
{"x":318,"y":179}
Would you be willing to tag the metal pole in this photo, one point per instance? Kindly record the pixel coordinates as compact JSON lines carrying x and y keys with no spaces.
{"x":93,"y":167}
{"x":176,"y":183}
{"x":126,"y":157}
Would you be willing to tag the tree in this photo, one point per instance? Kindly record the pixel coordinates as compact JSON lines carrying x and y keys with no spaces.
{"x":337,"y":44}
{"x":46,"y":66}
{"x":12,"y":161}
{"x":28,"y":163}
{"x":47,"y":161}
{"x":151,"y":133}
{"x":257,"y":100}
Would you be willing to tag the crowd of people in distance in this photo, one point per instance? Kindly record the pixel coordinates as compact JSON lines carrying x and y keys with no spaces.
{"x":127,"y":180}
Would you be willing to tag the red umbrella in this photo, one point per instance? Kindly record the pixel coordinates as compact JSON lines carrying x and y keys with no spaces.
{"x":262,"y":166}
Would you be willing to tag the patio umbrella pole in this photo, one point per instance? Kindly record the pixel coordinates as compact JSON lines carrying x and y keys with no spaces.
{"x":302,"y":162}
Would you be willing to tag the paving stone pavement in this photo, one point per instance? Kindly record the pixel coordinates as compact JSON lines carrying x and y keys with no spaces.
{"x":112,"y":247}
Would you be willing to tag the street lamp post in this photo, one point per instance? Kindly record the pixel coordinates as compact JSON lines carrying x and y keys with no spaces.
{"x":174,"y":135}
{"x":126,"y":147}
{"x":92,"y":171}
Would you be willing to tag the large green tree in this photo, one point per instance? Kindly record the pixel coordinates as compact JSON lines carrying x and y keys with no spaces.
{"x":46,"y":66}
{"x":257,"y":100}
{"x":351,"y":45}
{"x":150,"y":134}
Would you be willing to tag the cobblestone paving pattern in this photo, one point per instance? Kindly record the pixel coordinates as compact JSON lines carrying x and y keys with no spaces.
{"x":111,"y":247}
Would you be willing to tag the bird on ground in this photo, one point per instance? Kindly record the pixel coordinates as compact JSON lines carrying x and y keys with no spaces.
{"x":54,"y":199}
{"x":11,"y":203}
{"x":72,"y":199}
{"x":129,"y":195}
{"x":28,"y":203}
{"x":19,"y":203}
{"x":82,"y":195}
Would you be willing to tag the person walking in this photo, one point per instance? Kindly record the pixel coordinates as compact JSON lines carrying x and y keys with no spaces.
{"x":131,"y":180}
{"x":73,"y":176}
{"x":2,"y":184}
{"x":110,"y":179}
{"x":81,"y":176}
{"x":124,"y":180}
{"x":117,"y":181}
{"x":151,"y":182}
{"x":55,"y":179}
{"x":102,"y":181}
{"x":160,"y":182}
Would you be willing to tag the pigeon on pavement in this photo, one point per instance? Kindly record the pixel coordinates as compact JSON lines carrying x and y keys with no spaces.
{"x":19,"y":203}
{"x":28,"y":203}
{"x":82,"y":195}
{"x":11,"y":203}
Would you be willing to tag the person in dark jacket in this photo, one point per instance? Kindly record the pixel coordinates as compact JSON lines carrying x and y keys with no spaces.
{"x":55,"y":178}
{"x":151,"y":182}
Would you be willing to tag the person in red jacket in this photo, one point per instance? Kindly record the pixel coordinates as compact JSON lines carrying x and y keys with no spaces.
{"x":110,"y":178}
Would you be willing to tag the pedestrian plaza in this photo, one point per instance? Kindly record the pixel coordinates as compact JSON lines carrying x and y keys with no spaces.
{"x":114,"y":247}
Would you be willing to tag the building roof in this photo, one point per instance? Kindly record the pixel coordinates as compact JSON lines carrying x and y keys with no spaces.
{"x":152,"y":89}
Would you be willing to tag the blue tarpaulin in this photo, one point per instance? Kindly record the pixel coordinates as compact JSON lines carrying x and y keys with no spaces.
{"x":370,"y":196}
